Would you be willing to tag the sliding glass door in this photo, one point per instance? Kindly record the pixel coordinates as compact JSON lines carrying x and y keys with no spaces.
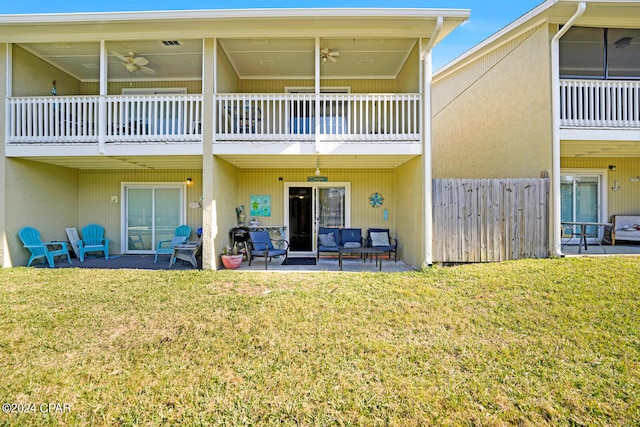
{"x":151,"y":213}
{"x":582,"y":198}
{"x":312,"y":205}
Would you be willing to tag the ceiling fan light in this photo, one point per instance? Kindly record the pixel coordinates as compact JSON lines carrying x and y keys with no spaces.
{"x":131,"y":67}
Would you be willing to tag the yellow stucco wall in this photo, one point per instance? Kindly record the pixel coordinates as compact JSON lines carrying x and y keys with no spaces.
{"x":41,"y":196}
{"x":499,"y":125}
{"x":225,"y":199}
{"x":34,"y":77}
{"x":410,"y":218}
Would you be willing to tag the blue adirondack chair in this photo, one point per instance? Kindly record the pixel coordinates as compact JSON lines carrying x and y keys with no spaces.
{"x":93,"y":241}
{"x":261,"y":245}
{"x":181,"y":235}
{"x":31,"y":240}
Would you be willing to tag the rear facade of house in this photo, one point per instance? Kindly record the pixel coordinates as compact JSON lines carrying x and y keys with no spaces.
{"x":144,"y":121}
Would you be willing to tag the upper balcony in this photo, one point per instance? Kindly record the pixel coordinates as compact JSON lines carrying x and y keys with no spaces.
{"x":240,"y":119}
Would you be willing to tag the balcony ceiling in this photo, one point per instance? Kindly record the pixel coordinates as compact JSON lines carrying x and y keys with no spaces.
{"x":262,"y":58}
{"x":258,"y":43}
{"x":600,"y":149}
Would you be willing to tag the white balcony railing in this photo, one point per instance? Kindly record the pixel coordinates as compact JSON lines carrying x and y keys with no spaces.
{"x":340,"y":117}
{"x":287,"y":118}
{"x":74,"y":119}
{"x":154,"y":118}
{"x":53,"y":119}
{"x":600,"y":103}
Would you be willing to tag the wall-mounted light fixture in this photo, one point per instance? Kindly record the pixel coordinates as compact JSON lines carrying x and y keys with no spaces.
{"x":189,"y":180}
{"x":318,"y":173}
{"x":615,"y":187}
{"x":612,"y":167}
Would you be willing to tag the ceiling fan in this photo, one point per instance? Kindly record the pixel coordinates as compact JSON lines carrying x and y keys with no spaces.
{"x":326,"y":54}
{"x":134,"y":63}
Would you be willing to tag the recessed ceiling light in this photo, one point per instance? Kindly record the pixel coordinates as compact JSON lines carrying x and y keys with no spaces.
{"x":267,"y":62}
{"x":367,"y":61}
{"x":90,"y":66}
{"x":61,"y":46}
{"x":260,"y":41}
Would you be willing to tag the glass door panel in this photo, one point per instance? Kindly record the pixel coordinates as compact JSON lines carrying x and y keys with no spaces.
{"x":580,"y":197}
{"x":331,"y":207}
{"x":139,"y":219}
{"x":167,"y":213}
{"x":151,"y":214}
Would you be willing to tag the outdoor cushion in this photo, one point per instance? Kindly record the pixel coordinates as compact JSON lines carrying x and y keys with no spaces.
{"x":352,"y":245}
{"x":379,"y":238}
{"x":327,"y":240}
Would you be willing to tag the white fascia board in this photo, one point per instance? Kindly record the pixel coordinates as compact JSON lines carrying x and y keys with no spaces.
{"x":260,"y":14}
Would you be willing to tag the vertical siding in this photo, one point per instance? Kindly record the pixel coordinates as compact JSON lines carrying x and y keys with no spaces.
{"x":357,"y":86}
{"x":625,"y":201}
{"x":97,"y":187}
{"x":364,"y":182}
{"x":115,"y":88}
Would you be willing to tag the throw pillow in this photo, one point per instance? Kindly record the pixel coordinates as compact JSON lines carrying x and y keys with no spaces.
{"x":352,"y":245}
{"x":379,"y":238}
{"x":327,"y":239}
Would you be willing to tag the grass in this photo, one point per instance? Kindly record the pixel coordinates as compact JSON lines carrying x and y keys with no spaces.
{"x":532,"y":342}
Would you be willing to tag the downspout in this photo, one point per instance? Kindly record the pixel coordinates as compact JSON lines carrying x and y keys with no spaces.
{"x":555,"y":151}
{"x":426,"y":145}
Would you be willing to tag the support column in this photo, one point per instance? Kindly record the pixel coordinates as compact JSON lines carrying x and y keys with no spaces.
{"x":209,"y":217}
{"x":426,"y":143}
{"x":5,"y":92}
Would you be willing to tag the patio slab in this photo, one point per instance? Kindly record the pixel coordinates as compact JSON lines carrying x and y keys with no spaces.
{"x":145,"y":262}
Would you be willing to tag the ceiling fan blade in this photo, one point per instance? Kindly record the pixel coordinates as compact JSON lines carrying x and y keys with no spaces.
{"x":120,"y":57}
{"x":334,"y":53}
{"x":147,"y":70}
{"x":332,"y":59}
{"x":141,"y":61}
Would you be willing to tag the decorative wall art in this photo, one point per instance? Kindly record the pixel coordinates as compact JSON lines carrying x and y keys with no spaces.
{"x":376,"y":200}
{"x":260,"y":205}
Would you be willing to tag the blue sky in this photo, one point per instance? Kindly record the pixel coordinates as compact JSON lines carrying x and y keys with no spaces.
{"x":487,"y":16}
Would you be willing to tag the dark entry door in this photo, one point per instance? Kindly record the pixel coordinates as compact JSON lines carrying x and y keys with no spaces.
{"x":301,"y":219}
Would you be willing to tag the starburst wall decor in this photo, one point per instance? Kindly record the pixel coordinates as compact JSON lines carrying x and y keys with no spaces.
{"x":376,"y":200}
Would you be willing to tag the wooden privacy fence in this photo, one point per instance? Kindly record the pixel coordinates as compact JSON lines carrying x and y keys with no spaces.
{"x":483,"y":220}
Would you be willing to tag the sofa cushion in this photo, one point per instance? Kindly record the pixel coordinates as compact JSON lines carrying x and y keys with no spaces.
{"x":327,"y":240}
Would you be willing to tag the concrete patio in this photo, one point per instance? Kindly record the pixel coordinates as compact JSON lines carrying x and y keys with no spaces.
{"x":145,"y":262}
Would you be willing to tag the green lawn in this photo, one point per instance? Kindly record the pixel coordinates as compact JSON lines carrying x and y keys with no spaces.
{"x":533,"y":342}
